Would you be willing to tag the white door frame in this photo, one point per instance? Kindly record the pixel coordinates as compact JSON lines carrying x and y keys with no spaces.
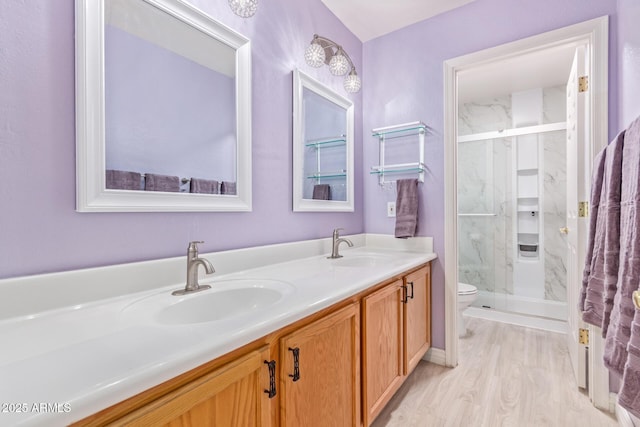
{"x":594,"y":34}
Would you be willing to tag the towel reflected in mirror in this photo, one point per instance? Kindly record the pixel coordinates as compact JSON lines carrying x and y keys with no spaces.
{"x":321,"y":192}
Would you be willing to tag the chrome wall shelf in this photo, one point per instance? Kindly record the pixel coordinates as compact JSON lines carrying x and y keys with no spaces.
{"x":397,"y":131}
{"x":320,"y":145}
{"x":326,"y":175}
{"x":323,"y":142}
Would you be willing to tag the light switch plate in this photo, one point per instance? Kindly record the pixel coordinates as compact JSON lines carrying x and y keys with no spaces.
{"x":391,"y":209}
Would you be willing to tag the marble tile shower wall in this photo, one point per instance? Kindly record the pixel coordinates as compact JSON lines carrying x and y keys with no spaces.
{"x":485,"y":187}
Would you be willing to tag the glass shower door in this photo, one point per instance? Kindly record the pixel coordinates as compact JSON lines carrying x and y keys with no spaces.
{"x":483,"y":221}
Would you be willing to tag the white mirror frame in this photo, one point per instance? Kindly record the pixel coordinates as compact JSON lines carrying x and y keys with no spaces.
{"x":91,"y":192}
{"x":303,"y":81}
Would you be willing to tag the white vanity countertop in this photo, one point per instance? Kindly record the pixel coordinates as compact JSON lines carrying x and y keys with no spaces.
{"x":62,"y":365}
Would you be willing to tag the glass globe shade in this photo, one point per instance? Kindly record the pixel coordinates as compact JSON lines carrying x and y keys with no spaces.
{"x":339,"y":65}
{"x":314,"y":55}
{"x":352,"y":83}
{"x":244,"y":8}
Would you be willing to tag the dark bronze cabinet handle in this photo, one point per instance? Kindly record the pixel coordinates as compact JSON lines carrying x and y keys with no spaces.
{"x":410,"y":283}
{"x":296,"y":363}
{"x":405,"y":294}
{"x":272,"y":378}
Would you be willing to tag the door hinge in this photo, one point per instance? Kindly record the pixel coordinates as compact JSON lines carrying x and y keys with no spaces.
{"x":583,"y":209}
{"x":583,"y":83}
{"x":583,"y":336}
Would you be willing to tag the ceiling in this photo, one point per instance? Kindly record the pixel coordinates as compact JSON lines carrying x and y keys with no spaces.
{"x":546,"y":68}
{"x":368,"y":19}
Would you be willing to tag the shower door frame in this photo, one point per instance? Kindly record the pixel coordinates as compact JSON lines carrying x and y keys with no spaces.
{"x":594,"y":35}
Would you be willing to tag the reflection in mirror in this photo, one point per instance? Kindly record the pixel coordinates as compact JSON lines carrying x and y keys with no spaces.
{"x":322,"y":147}
{"x":158,"y":122}
{"x":325,"y":156}
{"x":174,"y":117}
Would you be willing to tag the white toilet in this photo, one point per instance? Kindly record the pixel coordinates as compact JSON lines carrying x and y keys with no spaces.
{"x":466,"y":295}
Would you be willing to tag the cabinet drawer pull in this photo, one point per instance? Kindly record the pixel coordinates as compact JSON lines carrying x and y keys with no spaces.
{"x":272,"y":378}
{"x":296,"y":363}
{"x":405,"y":294}
{"x":411,"y":296}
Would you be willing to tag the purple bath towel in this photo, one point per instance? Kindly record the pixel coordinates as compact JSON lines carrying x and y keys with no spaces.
{"x":206,"y":186}
{"x":596,"y":188}
{"x":613,"y":183}
{"x":622,"y":346}
{"x":156,"y":182}
{"x":603,"y":273}
{"x":322,"y":192}
{"x":619,"y":331}
{"x":228,"y":187}
{"x":123,"y":180}
{"x":406,"y":208}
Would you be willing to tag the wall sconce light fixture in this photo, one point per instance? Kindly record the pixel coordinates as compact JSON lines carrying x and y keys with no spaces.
{"x":244,"y":8}
{"x":324,"y":51}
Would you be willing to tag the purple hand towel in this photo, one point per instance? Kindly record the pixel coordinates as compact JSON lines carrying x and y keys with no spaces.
{"x":622,"y":346}
{"x":322,"y":192}
{"x":406,"y":208}
{"x":228,"y":187}
{"x":156,"y":182}
{"x":603,"y":274}
{"x":622,"y":314}
{"x":123,"y":180}
{"x":206,"y":186}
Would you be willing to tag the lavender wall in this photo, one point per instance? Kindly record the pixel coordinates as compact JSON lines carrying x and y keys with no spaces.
{"x":628,"y":62}
{"x":404,"y":82}
{"x":39,"y":228}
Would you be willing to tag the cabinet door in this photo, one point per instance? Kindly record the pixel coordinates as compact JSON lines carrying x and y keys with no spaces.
{"x":233,"y":395}
{"x":382,"y":348}
{"x":417,"y":330}
{"x":320,"y":372}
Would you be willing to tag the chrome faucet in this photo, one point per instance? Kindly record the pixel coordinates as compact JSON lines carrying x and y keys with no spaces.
{"x":336,"y":243}
{"x":193,"y":262}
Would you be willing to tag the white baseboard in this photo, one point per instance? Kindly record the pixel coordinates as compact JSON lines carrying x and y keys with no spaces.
{"x":435,"y":355}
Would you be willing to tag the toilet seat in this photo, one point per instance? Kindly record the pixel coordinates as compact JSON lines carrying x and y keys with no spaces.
{"x":466,"y":289}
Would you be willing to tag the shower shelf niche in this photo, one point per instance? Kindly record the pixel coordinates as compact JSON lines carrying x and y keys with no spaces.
{"x":399,"y":131}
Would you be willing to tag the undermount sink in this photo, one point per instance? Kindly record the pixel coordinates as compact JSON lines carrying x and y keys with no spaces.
{"x":225,"y":300}
{"x":360,"y":261}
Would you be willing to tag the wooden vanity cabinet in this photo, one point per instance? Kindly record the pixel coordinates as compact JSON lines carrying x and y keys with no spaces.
{"x":396,"y":323}
{"x":417,"y":318}
{"x":382,"y":344}
{"x":232,"y":395}
{"x":320,"y":372}
{"x":337,"y":367}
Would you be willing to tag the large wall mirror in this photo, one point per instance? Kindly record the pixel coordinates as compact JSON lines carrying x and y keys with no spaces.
{"x":322,"y":147}
{"x":163,"y":109}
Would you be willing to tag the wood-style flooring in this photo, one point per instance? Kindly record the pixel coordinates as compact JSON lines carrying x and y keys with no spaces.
{"x":507,"y":376}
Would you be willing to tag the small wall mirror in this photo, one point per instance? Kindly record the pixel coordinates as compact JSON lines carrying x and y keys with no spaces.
{"x":163,"y":109}
{"x":322,"y":147}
